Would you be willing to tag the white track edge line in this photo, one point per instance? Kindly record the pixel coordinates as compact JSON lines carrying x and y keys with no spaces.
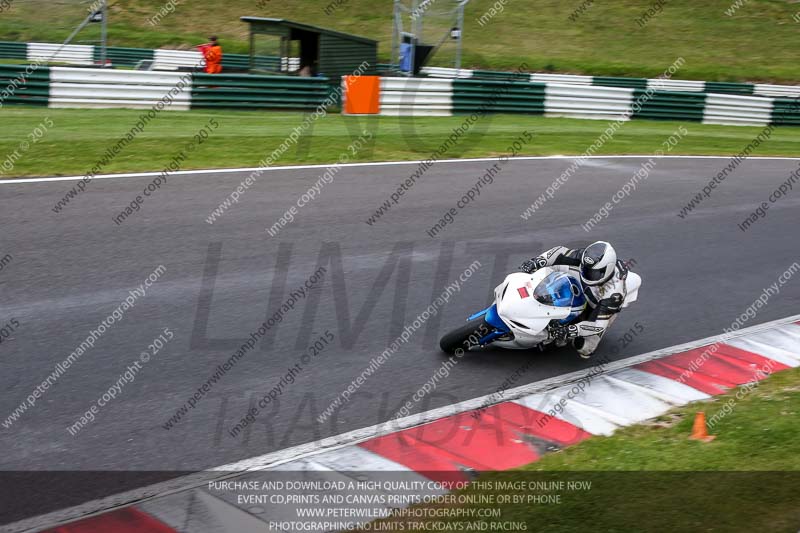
{"x":262,"y":462}
{"x":11,"y":181}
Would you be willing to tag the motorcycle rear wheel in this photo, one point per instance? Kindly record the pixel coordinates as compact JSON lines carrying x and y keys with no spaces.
{"x":466,"y":336}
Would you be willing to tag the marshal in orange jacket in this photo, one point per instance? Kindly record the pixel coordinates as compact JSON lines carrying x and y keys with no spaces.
{"x":213,"y":56}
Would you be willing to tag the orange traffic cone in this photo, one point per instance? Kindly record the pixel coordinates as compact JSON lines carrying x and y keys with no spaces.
{"x":699,"y":431}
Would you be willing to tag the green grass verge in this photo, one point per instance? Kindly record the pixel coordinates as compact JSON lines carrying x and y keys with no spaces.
{"x":80,"y":137}
{"x":651,"y":477}
{"x":756,"y":43}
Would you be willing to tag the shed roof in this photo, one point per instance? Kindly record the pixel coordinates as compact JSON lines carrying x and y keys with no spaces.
{"x":306,"y":27}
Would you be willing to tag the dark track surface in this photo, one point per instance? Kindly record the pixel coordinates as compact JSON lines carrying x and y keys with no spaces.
{"x":71,"y":270}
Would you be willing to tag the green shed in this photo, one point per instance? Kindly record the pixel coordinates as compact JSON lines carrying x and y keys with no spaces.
{"x":328,"y":53}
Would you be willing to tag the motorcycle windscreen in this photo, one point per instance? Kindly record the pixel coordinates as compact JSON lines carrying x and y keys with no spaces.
{"x":559,"y":289}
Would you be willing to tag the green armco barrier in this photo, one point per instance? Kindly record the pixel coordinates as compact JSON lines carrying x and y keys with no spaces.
{"x":630,"y":83}
{"x":670,"y":105}
{"x":498,"y":96}
{"x":729,"y":88}
{"x":124,"y":56}
{"x":495,"y":75}
{"x":242,"y":62}
{"x":13,"y":50}
{"x":786,"y":111}
{"x":333,"y":93}
{"x":17,"y":87}
{"x":247,"y":91}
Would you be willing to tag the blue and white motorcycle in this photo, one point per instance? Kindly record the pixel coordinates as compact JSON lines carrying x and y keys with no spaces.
{"x":525,"y":305}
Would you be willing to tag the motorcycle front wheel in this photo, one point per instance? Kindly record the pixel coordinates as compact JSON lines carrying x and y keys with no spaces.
{"x":466,"y":336}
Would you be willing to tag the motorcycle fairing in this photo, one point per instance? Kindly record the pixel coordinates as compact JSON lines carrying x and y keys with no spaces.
{"x":493,"y":319}
{"x":514,"y":297}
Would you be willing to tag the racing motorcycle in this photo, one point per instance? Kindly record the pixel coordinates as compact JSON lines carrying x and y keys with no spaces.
{"x":525,"y":305}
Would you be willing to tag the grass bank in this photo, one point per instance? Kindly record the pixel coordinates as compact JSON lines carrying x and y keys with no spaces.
{"x":757,"y":41}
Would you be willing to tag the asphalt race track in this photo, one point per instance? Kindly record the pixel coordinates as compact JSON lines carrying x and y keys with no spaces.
{"x":71,"y":270}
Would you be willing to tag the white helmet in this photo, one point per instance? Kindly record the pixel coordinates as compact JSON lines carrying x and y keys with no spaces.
{"x":597,"y":263}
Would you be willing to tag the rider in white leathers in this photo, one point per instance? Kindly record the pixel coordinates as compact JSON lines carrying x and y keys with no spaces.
{"x":603,"y":279}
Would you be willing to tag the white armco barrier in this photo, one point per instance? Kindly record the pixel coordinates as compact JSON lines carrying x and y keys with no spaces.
{"x":76,"y":87}
{"x":435,"y":96}
{"x":662,"y":84}
{"x":737,"y":110}
{"x":290,"y":64}
{"x":785,"y":91}
{"x":561,"y":78}
{"x":443,"y":72}
{"x":577,"y":101}
{"x":416,"y":96}
{"x":73,"y":54}
{"x":173,"y":59}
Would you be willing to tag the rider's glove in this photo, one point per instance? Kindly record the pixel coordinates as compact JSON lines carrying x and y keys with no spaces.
{"x":532,"y":265}
{"x":558,"y":332}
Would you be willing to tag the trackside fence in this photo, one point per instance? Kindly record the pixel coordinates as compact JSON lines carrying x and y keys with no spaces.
{"x":162,"y":58}
{"x":22,"y":84}
{"x":108,"y":88}
{"x":438,"y":96}
{"x":70,"y":87}
{"x":429,"y":96}
{"x":242,"y":91}
{"x":715,"y":87}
